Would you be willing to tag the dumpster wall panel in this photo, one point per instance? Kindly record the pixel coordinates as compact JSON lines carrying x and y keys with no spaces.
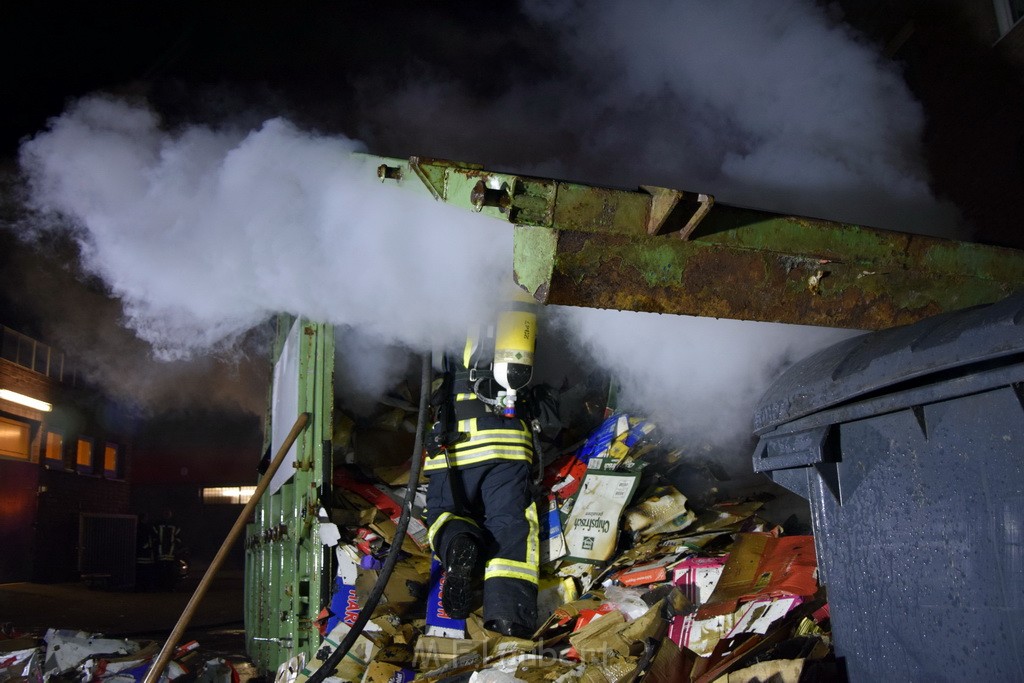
{"x":923,"y":558}
{"x":916,"y":492}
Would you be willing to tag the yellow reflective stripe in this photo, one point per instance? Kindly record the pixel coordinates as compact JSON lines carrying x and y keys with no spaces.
{"x":533,"y":536}
{"x":487,"y":444}
{"x":503,"y":446}
{"x":464,"y":459}
{"x":486,"y":438}
{"x":514,"y":569}
{"x":510,"y":569}
{"x":441,"y":520}
{"x":465,"y":397}
{"x":467,"y":425}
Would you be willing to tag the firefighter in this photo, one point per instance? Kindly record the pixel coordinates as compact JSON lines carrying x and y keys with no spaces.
{"x":167,"y":546}
{"x":480,"y":512}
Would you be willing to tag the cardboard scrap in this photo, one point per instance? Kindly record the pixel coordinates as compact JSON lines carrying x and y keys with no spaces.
{"x":777,"y":671}
{"x":380,"y":672}
{"x":352,"y":665}
{"x":698,"y":576}
{"x":764,"y":565}
{"x":432,"y":652}
{"x":552,"y":540}
{"x":384,"y":499}
{"x":663,"y":511}
{"x":25,"y":664}
{"x":69,"y":655}
{"x":687,"y":595}
{"x":591,"y":531}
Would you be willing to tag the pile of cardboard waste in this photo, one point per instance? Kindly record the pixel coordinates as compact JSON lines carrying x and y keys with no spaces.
{"x":637,"y":584}
{"x":77,"y":656}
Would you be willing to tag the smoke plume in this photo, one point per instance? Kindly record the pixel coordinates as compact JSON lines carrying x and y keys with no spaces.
{"x":203,"y":232}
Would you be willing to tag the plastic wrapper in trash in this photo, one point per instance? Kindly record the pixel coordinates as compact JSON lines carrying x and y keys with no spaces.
{"x":22,"y":665}
{"x":629,"y":601}
{"x":504,"y":670}
{"x":67,"y":649}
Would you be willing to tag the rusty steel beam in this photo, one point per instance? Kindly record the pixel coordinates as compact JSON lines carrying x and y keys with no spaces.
{"x":667,"y":251}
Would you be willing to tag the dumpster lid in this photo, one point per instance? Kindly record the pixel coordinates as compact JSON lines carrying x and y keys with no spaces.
{"x":875,"y":361}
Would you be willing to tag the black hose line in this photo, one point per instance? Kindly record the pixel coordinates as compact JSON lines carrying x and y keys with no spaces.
{"x":328,"y":667}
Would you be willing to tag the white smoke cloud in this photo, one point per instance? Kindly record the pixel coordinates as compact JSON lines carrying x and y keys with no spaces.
{"x":202,"y":233}
{"x":696,"y":378}
{"x":771,"y":105}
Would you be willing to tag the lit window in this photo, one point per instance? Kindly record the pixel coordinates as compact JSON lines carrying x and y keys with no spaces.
{"x":110,"y":461}
{"x":83,"y":457}
{"x":54,"y":450}
{"x":234,"y":495}
{"x":14,"y":439}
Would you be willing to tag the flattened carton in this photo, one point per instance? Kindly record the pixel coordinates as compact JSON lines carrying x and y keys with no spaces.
{"x":592,"y":528}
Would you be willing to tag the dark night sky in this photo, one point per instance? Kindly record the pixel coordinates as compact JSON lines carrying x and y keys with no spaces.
{"x":212,"y":60}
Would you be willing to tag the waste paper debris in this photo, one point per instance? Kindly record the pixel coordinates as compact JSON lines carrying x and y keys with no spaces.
{"x":638,"y":582}
{"x":70,"y":656}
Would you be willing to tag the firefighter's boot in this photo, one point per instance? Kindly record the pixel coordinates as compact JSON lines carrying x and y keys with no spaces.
{"x":509,"y":628}
{"x":458,"y":583}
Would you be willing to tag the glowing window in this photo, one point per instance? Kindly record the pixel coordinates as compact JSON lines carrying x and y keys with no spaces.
{"x":54,"y":450}
{"x":83,"y":457}
{"x":111,"y":458}
{"x":14,"y":439}
{"x":234,"y":495}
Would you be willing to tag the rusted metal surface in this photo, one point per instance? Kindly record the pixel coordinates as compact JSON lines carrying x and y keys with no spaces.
{"x":698,"y":278}
{"x":667,"y":251}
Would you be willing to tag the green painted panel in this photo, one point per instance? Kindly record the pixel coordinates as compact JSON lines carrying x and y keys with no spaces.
{"x":285,"y":559}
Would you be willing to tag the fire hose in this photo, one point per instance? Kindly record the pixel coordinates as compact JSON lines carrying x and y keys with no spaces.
{"x":331,"y":663}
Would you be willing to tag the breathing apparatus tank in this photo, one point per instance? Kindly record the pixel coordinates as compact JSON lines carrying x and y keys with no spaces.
{"x":515,"y":339}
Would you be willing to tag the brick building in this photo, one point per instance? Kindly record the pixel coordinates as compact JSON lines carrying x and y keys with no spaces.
{"x":61,"y":457}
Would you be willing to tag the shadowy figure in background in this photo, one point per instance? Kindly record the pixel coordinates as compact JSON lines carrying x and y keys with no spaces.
{"x":145,"y":554}
{"x":168,"y":548}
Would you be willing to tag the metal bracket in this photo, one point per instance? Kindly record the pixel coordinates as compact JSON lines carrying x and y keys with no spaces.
{"x":664,"y":202}
{"x":706,"y":201}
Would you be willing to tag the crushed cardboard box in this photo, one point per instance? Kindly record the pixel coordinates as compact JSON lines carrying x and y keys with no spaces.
{"x":634,"y":579}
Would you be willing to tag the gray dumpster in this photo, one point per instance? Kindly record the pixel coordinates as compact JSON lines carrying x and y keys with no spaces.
{"x":909,"y":446}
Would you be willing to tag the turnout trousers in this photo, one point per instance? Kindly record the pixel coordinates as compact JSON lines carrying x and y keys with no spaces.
{"x":495,"y":492}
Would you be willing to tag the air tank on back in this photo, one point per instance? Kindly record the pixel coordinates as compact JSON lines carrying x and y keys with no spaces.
{"x":514,"y":342}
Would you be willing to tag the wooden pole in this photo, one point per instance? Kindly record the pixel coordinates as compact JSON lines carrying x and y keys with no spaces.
{"x":172,"y":640}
